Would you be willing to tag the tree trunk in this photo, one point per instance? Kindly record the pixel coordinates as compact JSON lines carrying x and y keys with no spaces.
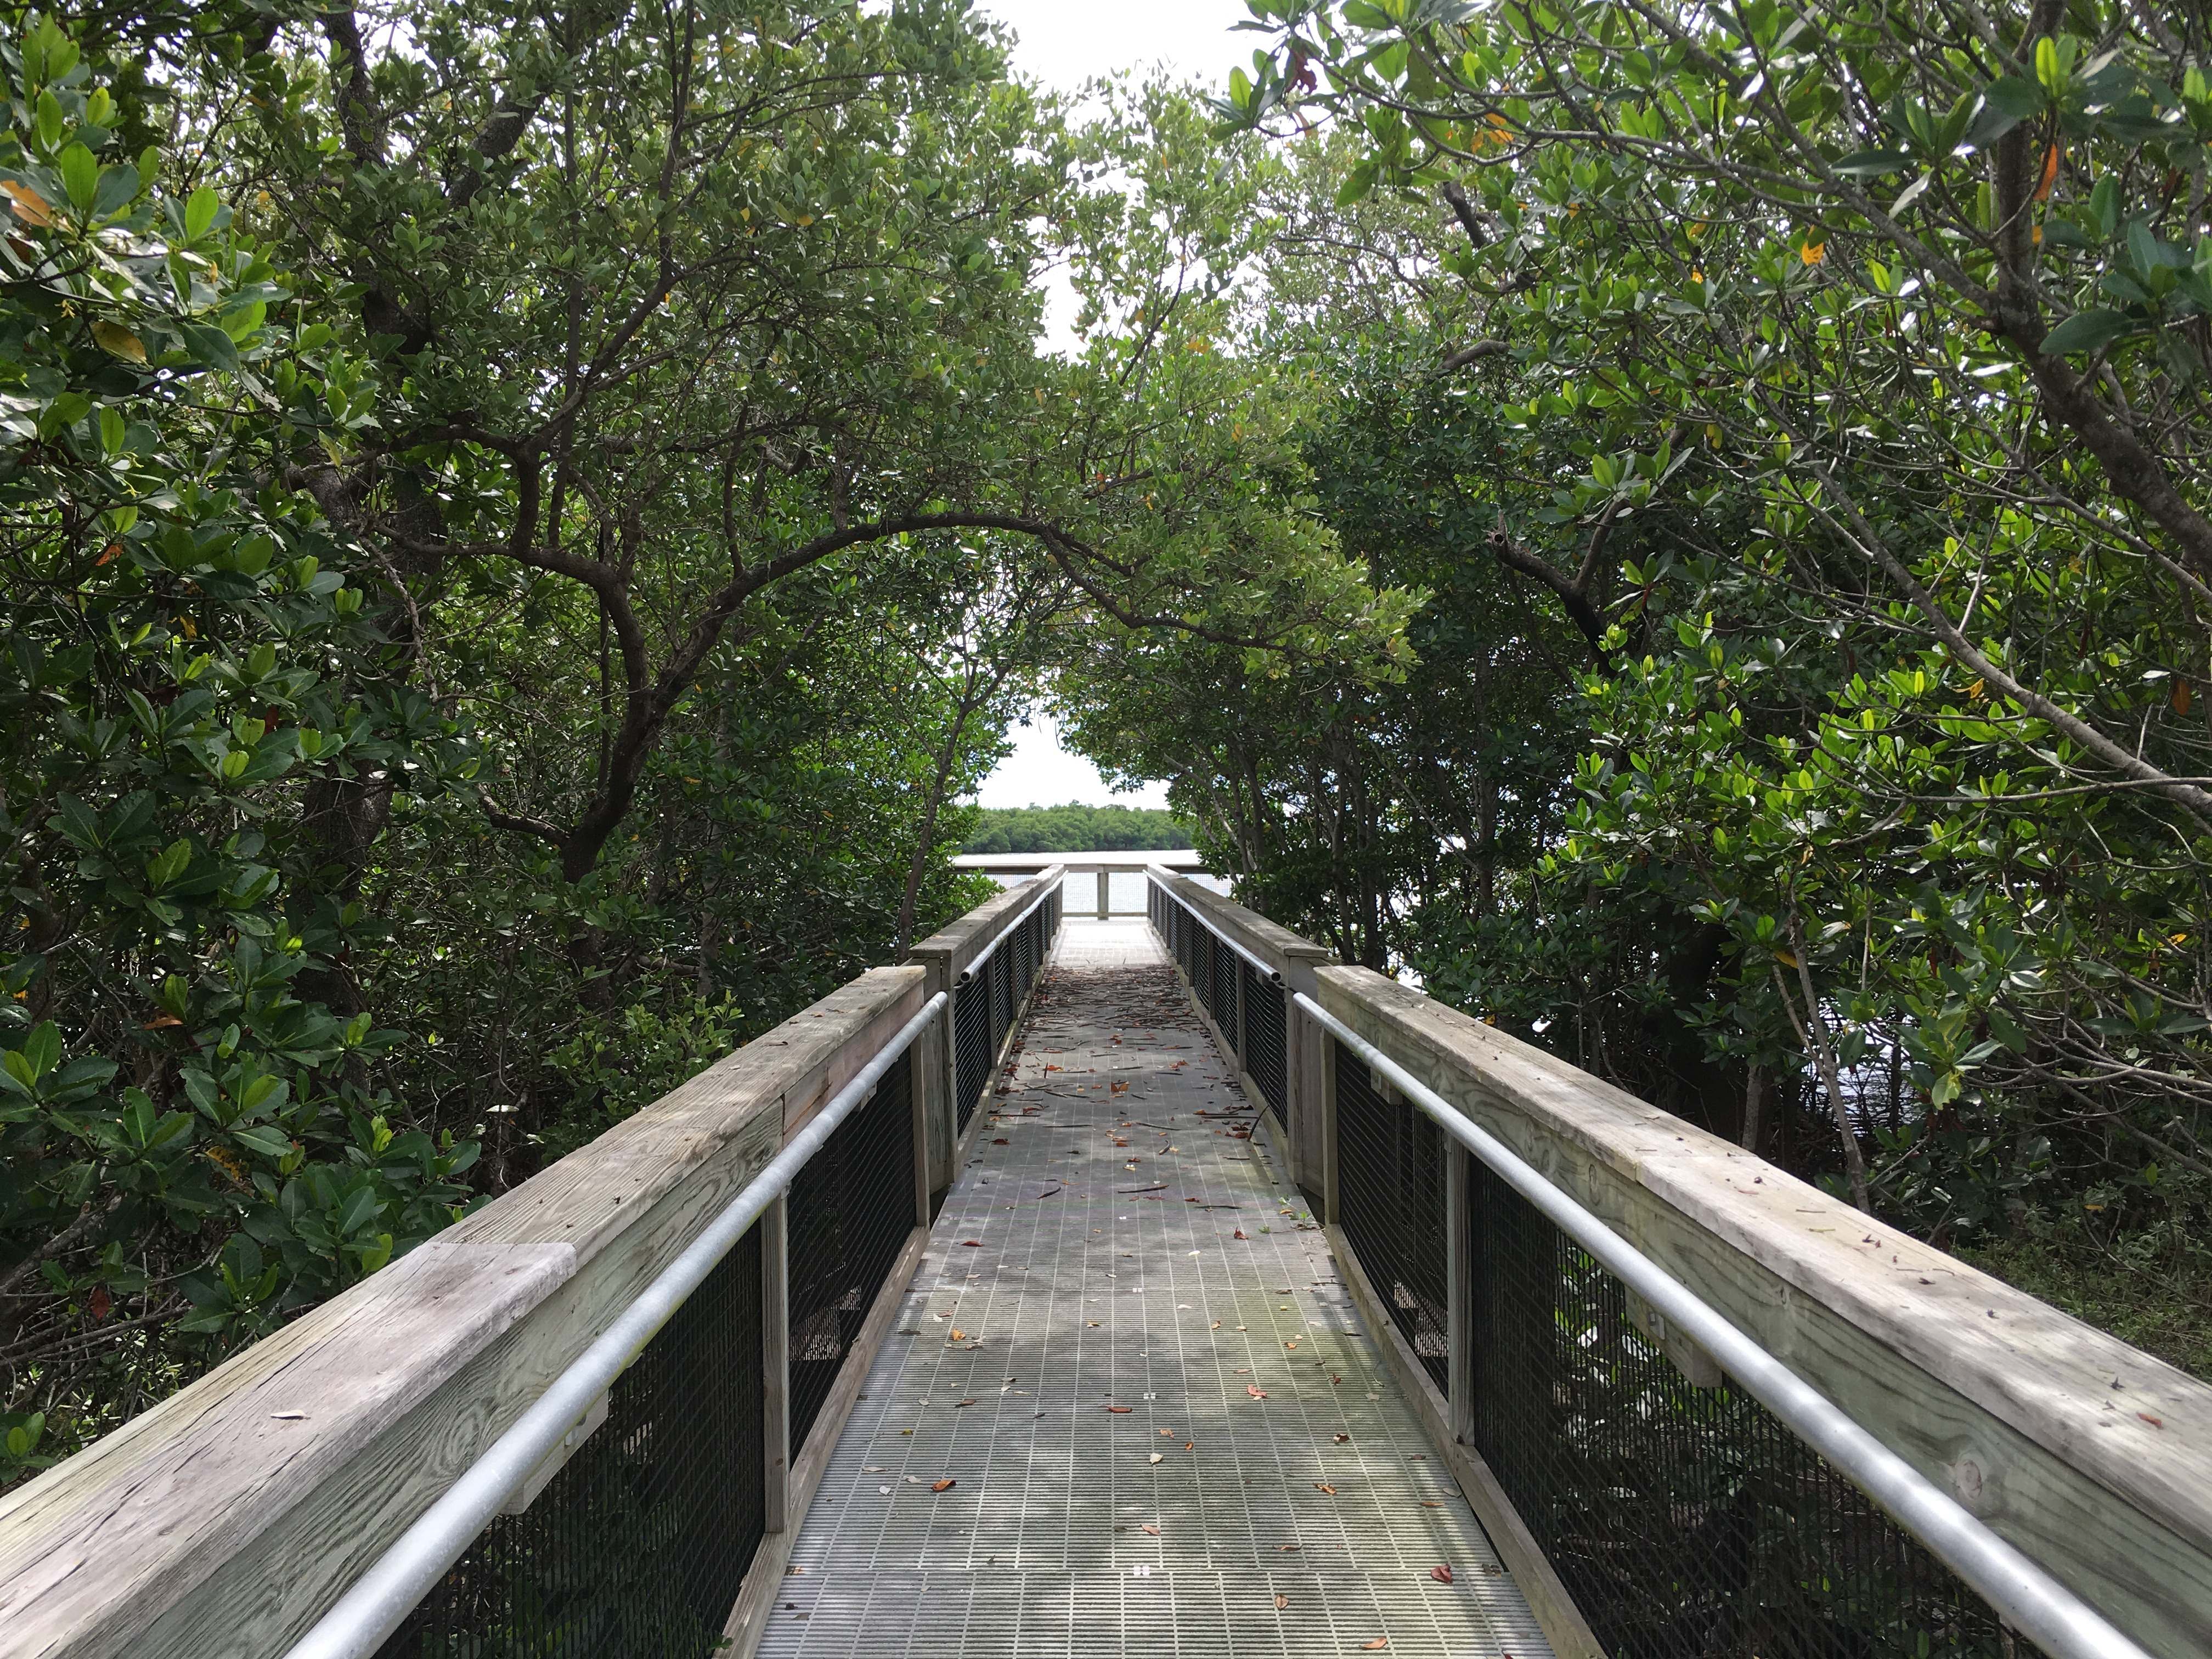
{"x":1814,"y":1033}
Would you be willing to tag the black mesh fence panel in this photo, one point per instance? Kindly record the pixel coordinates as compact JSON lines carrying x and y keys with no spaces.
{"x":1226,"y":962}
{"x":971,"y":1044}
{"x":1266,"y":1045}
{"x":1684,"y":1520}
{"x":638,"y":1547}
{"x":1390,"y":1188}
{"x":851,"y":1210}
{"x":985,"y":1008}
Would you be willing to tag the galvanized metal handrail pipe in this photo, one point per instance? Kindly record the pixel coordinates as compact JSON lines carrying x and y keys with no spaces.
{"x":1045,"y":890}
{"x":2024,"y":1596}
{"x":380,"y":1600}
{"x":1273,"y":975}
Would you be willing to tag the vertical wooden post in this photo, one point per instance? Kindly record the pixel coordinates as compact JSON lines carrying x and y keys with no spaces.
{"x":1459,"y":1328}
{"x":1105,"y":881}
{"x":775,"y":1366}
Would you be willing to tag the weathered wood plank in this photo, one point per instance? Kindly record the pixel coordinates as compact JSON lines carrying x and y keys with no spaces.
{"x":958,"y":943}
{"x":2090,"y":1456}
{"x":179,"y":1487}
{"x":186,"y":1534}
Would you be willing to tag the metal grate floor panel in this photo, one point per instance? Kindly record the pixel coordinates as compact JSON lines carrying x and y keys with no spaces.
{"x":1108,"y":1315}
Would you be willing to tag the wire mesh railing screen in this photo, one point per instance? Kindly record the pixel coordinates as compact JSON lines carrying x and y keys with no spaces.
{"x":971,"y":1044}
{"x":1686,"y":1522}
{"x":850,"y":1211}
{"x":1266,"y":1046}
{"x":637,"y":1548}
{"x":1224,"y":1005}
{"x":1390,"y":1190}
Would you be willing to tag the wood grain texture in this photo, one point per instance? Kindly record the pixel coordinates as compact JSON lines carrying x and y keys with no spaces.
{"x":1273,"y":943}
{"x":2092,"y":1457}
{"x":210,"y":1526}
{"x":957,"y":943}
{"x":155,"y":1508}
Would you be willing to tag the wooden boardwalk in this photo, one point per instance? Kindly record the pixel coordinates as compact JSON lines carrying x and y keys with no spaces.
{"x":1129,"y":1409}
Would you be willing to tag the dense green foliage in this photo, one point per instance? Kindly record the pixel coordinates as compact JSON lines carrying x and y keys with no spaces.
{"x":1804,"y":407}
{"x":1074,"y":827}
{"x":519,"y":529}
{"x":1684,"y":526}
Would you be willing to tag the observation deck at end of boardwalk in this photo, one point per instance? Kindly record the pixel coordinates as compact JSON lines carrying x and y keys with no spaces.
{"x":1138,"y":1287}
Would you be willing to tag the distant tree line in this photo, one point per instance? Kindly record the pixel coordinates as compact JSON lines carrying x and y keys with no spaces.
{"x":1076,"y":829}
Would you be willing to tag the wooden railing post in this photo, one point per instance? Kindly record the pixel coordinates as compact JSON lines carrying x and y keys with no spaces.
{"x":775,"y":1366}
{"x":1105,"y":886}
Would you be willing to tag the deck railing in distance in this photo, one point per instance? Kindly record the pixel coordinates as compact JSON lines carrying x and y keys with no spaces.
{"x":1646,"y":1501}
{"x":588,"y":1419}
{"x":1104,"y":868}
{"x":987,"y":961}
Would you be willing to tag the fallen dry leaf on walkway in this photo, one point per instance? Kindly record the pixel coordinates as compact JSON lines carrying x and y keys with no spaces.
{"x":1323,"y":1485}
{"x":1215,"y":1326}
{"x":1441,"y":1574}
{"x":1002,"y":1142}
{"x":1121,"y":1410}
{"x":1282,"y":1601}
{"x":1379,"y":1641}
{"x":964,"y":1402}
{"x":1341,"y":1438}
{"x":1155,"y":1531}
{"x":1240,"y":1232}
{"x":972,"y":1243}
{"x":1156,"y":1458}
{"x":1256,"y":1393}
{"x":945,"y":1486}
{"x":959,"y":1335}
{"x":1190,"y":1445}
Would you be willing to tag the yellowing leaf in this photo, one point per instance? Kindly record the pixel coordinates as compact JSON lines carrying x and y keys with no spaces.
{"x":118,"y":341}
{"x":1814,"y":253}
{"x":30,"y":207}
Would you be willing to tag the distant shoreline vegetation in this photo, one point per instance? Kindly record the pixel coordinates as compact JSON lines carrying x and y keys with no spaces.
{"x":1076,"y":829}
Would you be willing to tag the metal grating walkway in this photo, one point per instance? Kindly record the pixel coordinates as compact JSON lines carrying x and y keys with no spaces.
{"x":1083,"y":1374}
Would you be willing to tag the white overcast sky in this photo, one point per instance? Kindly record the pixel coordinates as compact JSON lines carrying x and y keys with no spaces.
{"x":1063,"y":44}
